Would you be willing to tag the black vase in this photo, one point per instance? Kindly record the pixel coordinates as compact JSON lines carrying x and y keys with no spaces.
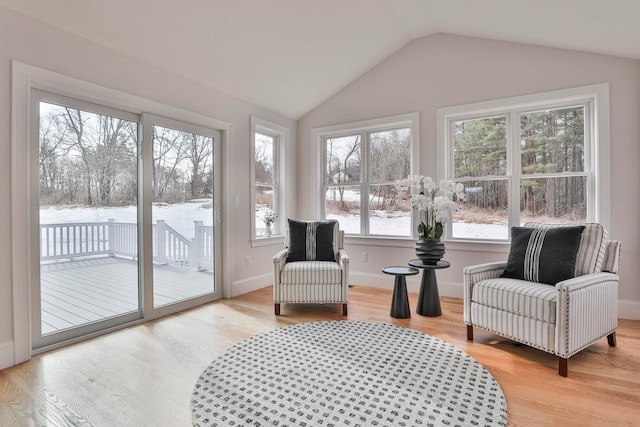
{"x":430,"y":251}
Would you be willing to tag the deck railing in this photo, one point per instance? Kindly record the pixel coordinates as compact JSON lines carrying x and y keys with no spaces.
{"x":203,"y":246}
{"x":74,"y":240}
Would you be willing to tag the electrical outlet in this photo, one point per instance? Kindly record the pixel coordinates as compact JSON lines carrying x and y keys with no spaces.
{"x":364,"y":257}
{"x":247,"y":261}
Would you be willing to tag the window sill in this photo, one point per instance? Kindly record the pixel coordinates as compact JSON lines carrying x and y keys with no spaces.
{"x":456,"y":245}
{"x":275,"y":239}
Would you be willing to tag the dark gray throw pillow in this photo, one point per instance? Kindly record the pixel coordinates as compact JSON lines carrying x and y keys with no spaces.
{"x":311,"y":241}
{"x":543,"y":255}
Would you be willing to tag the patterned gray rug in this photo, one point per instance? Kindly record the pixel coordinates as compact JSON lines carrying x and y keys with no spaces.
{"x":346,"y":373}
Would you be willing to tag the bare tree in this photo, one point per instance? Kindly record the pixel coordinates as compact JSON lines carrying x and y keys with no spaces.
{"x":75,"y":124}
{"x":199,"y":153}
{"x":343,"y":162}
{"x":104,"y":144}
{"x":50,"y":142}
{"x":169,"y":151}
{"x":264,"y":161}
{"x":111,"y":153}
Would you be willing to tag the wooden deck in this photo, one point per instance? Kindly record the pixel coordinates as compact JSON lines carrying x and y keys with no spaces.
{"x":79,"y":292}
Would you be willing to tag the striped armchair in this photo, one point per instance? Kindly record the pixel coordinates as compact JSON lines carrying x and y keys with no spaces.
{"x":318,"y":282}
{"x":562,"y":319}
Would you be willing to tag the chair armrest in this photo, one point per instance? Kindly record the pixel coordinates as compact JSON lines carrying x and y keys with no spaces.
{"x":472,"y":275}
{"x":280,"y":258}
{"x":489,"y":268}
{"x":576,"y":283}
{"x":343,"y":258}
{"x":587,"y":310}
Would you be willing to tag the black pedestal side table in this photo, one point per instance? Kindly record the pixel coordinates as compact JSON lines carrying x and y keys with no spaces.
{"x":400,"y":302}
{"x":429,"y":299}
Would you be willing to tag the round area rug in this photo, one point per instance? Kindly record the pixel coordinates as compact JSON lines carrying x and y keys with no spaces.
{"x":346,"y":373}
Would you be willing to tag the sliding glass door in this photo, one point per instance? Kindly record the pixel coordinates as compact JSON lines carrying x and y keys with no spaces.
{"x":122,"y":222}
{"x":183,"y":210}
{"x":87,"y":227}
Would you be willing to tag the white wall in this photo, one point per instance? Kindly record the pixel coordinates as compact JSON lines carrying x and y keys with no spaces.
{"x":445,"y":70}
{"x":31,"y":42}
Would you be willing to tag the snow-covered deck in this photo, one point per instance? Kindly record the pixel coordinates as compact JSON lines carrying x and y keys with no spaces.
{"x":79,"y":292}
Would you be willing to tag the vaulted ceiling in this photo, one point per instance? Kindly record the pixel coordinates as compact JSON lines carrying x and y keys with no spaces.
{"x":291,"y":55}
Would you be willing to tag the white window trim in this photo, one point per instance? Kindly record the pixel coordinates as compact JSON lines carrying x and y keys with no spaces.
{"x":281,"y":133}
{"x":597,"y":151}
{"x":26,"y":77}
{"x":318,"y":135}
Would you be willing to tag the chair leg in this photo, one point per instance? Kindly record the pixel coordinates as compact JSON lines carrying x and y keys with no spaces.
{"x":611,"y":339}
{"x":469,"y":333}
{"x":344,"y":309}
{"x":563,"y":368}
{"x":277,"y":309}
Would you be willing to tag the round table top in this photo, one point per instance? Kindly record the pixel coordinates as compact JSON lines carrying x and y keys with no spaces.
{"x":418,"y":263}
{"x":400,"y":270}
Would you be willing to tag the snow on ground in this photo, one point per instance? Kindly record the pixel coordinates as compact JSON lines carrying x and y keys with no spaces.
{"x":400,"y":226}
{"x":179,"y":216}
{"x":380,"y":223}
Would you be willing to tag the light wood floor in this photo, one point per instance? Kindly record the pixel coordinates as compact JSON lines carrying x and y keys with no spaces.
{"x":144,"y":375}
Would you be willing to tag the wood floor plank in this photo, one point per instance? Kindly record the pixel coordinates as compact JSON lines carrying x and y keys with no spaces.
{"x":144,"y":375}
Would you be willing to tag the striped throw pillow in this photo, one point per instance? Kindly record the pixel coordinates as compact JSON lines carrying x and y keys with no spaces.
{"x":543,"y":255}
{"x":311,"y":241}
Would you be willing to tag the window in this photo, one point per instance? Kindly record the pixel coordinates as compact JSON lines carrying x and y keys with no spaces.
{"x":360,"y":164}
{"x":268,"y":140}
{"x":535,"y":158}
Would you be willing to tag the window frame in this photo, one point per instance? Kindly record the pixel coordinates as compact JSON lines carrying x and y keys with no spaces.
{"x":365,"y":128}
{"x":594,"y":99}
{"x":280,"y":135}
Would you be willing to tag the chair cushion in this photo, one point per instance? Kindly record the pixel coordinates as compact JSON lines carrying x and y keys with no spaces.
{"x":311,"y":241}
{"x":311,"y":272}
{"x":545,"y":255}
{"x":528,"y":299}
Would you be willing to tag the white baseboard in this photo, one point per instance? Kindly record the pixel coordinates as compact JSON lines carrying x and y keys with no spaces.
{"x":251,"y":284}
{"x":7,"y":354}
{"x":385,"y":281}
{"x":629,"y":309}
{"x":451,"y":289}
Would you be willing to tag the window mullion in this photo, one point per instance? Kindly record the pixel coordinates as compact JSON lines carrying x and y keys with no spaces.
{"x":514,"y":165}
{"x":591,"y":164}
{"x":365,"y":178}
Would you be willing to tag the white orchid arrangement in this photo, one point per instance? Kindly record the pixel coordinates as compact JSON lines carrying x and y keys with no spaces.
{"x":434,"y":202}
